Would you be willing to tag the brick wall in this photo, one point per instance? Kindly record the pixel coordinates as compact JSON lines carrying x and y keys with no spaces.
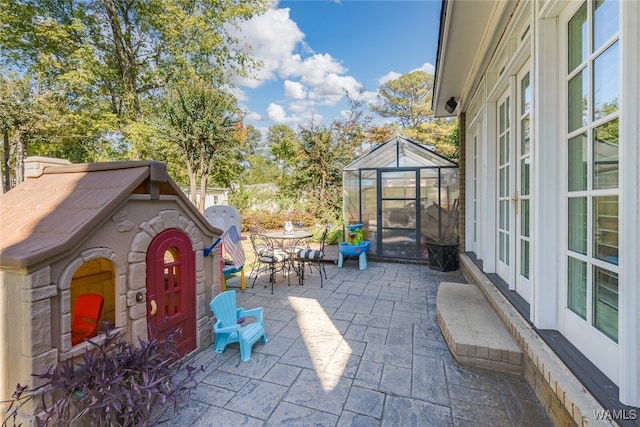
{"x":559,"y":391}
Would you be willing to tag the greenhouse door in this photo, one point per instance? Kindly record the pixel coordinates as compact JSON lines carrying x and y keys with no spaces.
{"x":398,"y":217}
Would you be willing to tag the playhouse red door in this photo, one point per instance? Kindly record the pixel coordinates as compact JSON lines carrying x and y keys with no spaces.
{"x":171,"y":288}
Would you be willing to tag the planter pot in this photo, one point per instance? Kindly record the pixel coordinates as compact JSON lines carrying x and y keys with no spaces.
{"x":443,"y":256}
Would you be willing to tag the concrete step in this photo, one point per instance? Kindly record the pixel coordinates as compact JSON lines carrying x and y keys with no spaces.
{"x":474,"y":334}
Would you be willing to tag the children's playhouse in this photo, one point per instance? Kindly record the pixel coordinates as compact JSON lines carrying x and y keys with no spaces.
{"x":122,"y":231}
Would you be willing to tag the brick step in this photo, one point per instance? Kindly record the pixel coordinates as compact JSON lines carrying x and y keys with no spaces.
{"x":473,"y":332}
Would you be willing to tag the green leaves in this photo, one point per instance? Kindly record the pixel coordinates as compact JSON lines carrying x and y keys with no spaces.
{"x":103,"y":66}
{"x":407,"y":99}
{"x":204,"y":123}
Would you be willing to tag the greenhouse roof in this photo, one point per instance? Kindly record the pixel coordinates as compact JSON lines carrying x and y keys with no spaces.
{"x":399,"y":152}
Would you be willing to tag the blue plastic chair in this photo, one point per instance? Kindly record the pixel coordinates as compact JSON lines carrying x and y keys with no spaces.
{"x":228,"y":328}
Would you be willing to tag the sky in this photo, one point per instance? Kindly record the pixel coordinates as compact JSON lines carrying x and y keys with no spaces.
{"x":314,"y":50}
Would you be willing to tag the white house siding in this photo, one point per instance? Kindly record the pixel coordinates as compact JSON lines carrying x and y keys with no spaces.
{"x":534,"y":43}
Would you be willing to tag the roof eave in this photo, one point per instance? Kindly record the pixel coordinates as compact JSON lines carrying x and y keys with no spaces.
{"x":469,"y":34}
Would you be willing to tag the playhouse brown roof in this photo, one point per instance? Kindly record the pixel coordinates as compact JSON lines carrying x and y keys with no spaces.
{"x":47,"y":214}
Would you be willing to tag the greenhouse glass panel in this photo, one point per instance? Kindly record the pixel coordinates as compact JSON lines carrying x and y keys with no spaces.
{"x":405,"y":195}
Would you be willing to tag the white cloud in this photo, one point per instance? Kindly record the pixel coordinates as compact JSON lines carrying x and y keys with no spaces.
{"x":428,"y":67}
{"x":253,"y":116}
{"x":331,"y":89}
{"x":272,"y":36}
{"x":300,"y":106}
{"x":240,"y":94}
{"x":317,"y":78}
{"x":277,"y":114}
{"x":391,"y":75}
{"x":294,"y":90}
{"x":368,"y":97}
{"x":314,"y":69}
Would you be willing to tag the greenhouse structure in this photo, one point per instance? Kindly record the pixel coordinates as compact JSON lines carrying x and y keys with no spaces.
{"x":405,"y":195}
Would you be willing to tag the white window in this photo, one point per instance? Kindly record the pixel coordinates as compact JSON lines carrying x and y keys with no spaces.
{"x":592,"y":144}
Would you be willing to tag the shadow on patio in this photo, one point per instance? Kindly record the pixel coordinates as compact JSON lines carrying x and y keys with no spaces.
{"x":364,"y":350}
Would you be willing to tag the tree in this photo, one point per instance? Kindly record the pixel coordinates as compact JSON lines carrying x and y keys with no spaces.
{"x":122,"y":51}
{"x":204,"y":122}
{"x":254,"y":138}
{"x":36,"y":121}
{"x":319,"y":174}
{"x":357,"y":128}
{"x":442,"y":133}
{"x":25,"y":115}
{"x":407,"y":99}
{"x":283,"y":145}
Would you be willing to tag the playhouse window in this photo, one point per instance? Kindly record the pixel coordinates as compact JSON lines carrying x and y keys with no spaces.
{"x":96,"y":277}
{"x":172,"y":267}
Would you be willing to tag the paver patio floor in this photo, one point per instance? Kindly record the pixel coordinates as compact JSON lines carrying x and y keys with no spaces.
{"x":365,"y":350}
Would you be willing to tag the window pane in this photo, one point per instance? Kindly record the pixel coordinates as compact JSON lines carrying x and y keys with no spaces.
{"x":524,"y":225}
{"x":578,"y":96}
{"x":504,"y":148}
{"x":525,"y":172}
{"x":170,"y":256}
{"x":578,"y":225}
{"x":606,"y":89}
{"x":525,"y":98}
{"x":504,"y":181}
{"x":605,"y":307}
{"x":502,"y":220}
{"x":504,"y":115}
{"x":503,"y":247}
{"x":525,"y":134}
{"x":605,"y":155}
{"x":577,"y":290}
{"x":578,"y":163}
{"x":524,"y":258}
{"x":605,"y":228}
{"x":605,"y":21}
{"x":578,"y":37}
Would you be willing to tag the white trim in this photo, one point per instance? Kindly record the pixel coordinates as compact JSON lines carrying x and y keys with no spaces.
{"x":600,"y":349}
{"x":489,"y":179}
{"x":545,"y":221}
{"x":629,"y":295}
{"x":471,"y":219}
{"x":523,"y":285}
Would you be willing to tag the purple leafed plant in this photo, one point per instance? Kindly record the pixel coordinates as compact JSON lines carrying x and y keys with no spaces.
{"x":116,"y":384}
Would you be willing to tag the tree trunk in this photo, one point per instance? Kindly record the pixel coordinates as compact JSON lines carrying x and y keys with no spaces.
{"x":124,"y":53}
{"x":5,"y":162}
{"x":21,"y":154}
{"x":203,"y":191}
{"x":192,"y":184}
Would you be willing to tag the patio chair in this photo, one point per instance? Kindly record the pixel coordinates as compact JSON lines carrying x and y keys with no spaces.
{"x":228,"y":328}
{"x":312,"y":258}
{"x":86,"y":314}
{"x":267,"y":257}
